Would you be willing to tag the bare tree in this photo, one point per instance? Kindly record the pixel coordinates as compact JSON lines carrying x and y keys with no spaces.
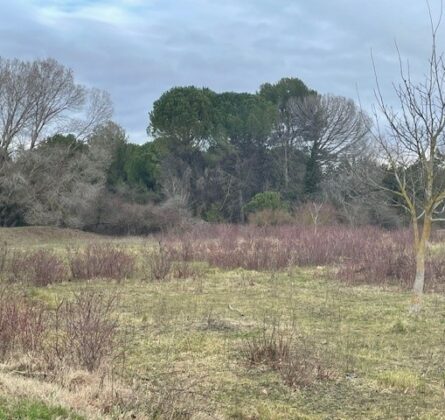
{"x":40,"y":98}
{"x":97,"y":111}
{"x":53,"y":93}
{"x":413,"y":144}
{"x":176,"y":180}
{"x":354,"y":187}
{"x":328,"y":127}
{"x":16,"y":100}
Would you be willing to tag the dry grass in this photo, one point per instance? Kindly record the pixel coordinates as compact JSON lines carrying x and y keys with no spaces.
{"x":299,"y":363}
{"x":86,"y":394}
{"x":185,"y":342}
{"x":100,"y":260}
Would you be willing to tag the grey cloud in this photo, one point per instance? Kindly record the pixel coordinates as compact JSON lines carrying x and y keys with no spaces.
{"x":138,"y":49}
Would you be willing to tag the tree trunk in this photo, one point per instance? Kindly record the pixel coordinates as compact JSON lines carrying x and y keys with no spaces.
{"x":419,"y":281}
{"x":241,"y":205}
{"x":286,"y":166}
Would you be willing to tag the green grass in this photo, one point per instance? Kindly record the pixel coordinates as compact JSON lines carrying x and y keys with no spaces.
{"x":183,"y":340}
{"x":33,"y":410}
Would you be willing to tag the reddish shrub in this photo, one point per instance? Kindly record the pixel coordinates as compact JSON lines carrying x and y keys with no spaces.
{"x":100,"y":260}
{"x":266,"y":248}
{"x":85,"y":329}
{"x":39,"y":268}
{"x":362,"y":255}
{"x":22,"y":325}
{"x":159,"y":263}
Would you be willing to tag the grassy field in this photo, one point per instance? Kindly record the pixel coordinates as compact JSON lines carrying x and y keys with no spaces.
{"x":185,"y":348}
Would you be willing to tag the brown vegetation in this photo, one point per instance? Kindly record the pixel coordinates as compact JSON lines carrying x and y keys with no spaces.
{"x":100,"y":261}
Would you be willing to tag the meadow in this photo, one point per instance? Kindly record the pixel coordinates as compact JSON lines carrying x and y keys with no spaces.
{"x":219,"y":322}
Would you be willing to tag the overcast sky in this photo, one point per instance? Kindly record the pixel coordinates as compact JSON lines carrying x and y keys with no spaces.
{"x":137,"y":49}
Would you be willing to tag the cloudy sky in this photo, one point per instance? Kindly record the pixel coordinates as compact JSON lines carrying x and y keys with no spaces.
{"x":137,"y":49}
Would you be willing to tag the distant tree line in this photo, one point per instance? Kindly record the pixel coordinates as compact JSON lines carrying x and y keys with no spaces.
{"x":275,"y":156}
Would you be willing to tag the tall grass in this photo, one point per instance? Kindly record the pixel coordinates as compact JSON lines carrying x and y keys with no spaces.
{"x":80,"y":332}
{"x":359,"y":255}
{"x":100,"y":261}
{"x":85,"y":329}
{"x":23,"y":325}
{"x":39,"y":268}
{"x":288,"y":353}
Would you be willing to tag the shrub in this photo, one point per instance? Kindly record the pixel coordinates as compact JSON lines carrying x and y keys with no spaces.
{"x":22,"y":325}
{"x":40,"y":268}
{"x":159,"y":263}
{"x":85,"y":329}
{"x":120,"y":215}
{"x":100,"y":261}
{"x":265,"y":248}
{"x":265,"y":200}
{"x":359,"y":255}
{"x":287,"y":353}
{"x":184,"y":270}
{"x":271,"y":217}
{"x":316,"y":214}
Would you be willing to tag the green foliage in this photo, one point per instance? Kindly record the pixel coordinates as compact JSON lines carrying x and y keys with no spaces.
{"x":288,"y":87}
{"x":244,"y":119}
{"x":33,"y":410}
{"x":266,"y":200}
{"x":313,"y":175}
{"x":184,"y":114}
{"x":141,"y":165}
{"x":136,"y":166}
{"x":213,"y":214}
{"x":68,"y":142}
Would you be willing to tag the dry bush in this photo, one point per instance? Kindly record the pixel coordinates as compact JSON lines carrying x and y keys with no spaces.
{"x":174,"y":395}
{"x":85,"y":330}
{"x":385,"y":260}
{"x":289,"y":354}
{"x":271,"y":217}
{"x":184,"y":270}
{"x":316,"y":214}
{"x":268,"y":248}
{"x":159,"y":263}
{"x":183,"y":267}
{"x":40,"y":268}
{"x":167,"y":261}
{"x":120,"y":216}
{"x":100,"y":261}
{"x":23,"y":325}
{"x":361,"y":255}
{"x":53,"y":344}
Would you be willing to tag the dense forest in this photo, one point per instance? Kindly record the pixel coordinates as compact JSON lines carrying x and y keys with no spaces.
{"x":285,"y":154}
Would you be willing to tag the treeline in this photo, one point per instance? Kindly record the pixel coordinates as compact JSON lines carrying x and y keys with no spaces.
{"x":282,"y":155}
